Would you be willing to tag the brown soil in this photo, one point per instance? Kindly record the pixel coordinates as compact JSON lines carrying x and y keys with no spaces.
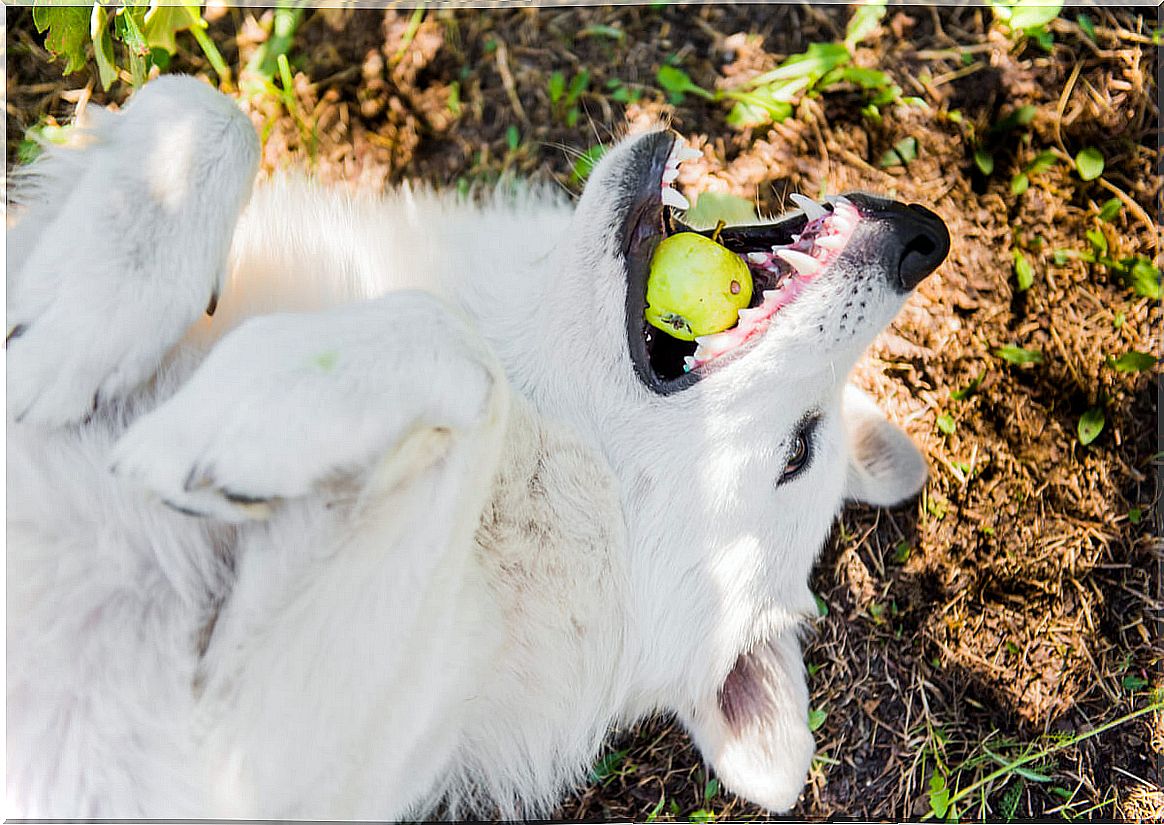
{"x":1018,"y":601}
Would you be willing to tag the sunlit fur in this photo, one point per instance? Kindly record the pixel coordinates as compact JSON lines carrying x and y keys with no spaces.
{"x":448,"y":537}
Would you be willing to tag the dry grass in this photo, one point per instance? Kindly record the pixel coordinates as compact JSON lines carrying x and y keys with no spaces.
{"x":1019,"y":600}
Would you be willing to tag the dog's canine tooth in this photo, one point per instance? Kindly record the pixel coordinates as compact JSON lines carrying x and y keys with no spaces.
{"x":802,"y":263}
{"x":759,"y":257}
{"x":752,"y":316}
{"x":674,"y":199}
{"x":812,"y":209}
{"x":670,"y":173}
{"x":688,"y":363}
{"x":688,"y":153}
{"x":831,"y":242}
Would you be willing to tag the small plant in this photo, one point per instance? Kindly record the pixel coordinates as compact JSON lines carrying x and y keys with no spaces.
{"x":1027,"y":19}
{"x":1019,"y":356}
{"x":1136,"y":271}
{"x":1091,"y":425}
{"x":126,"y":40}
{"x":564,"y":99}
{"x":771,"y":96}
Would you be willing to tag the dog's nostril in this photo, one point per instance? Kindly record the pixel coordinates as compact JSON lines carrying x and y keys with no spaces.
{"x":927,"y":241}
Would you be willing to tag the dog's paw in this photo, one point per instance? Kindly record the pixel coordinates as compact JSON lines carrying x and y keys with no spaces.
{"x":122,"y":244}
{"x":85,"y":350}
{"x":285,"y":403}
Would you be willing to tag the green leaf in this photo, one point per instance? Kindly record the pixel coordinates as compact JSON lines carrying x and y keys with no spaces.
{"x":1133,"y":361}
{"x":676,"y":81}
{"x":68,"y":32}
{"x":1135,"y":514}
{"x":1019,"y":184}
{"x":1027,"y":14}
{"x":1044,"y":39}
{"x":102,"y":46}
{"x":1098,"y":240}
{"x":578,"y":85}
{"x":864,"y":22}
{"x":812,"y":64}
{"x":1042,"y":162}
{"x":822,"y":607}
{"x":1023,"y":272}
{"x":1144,"y":279}
{"x":984,"y":160}
{"x":584,"y":165}
{"x":702,"y":815}
{"x":1021,"y":116}
{"x":557,"y":86}
{"x":608,"y":765}
{"x":866,"y":78}
{"x":163,"y":22}
{"x":655,"y":810}
{"x":1089,"y":163}
{"x":1110,"y":209}
{"x":748,"y":111}
{"x":939,"y":796}
{"x":711,"y":207}
{"x":816,"y":718}
{"x":512,"y":138}
{"x":710,"y":789}
{"x":1091,"y":425}
{"x":946,"y":423}
{"x":904,"y":151}
{"x":1133,"y":683}
{"x":901,"y":552}
{"x":1086,"y":25}
{"x":1018,"y":355}
{"x":969,"y":389}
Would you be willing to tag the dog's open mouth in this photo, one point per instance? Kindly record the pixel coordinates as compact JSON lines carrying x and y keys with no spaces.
{"x":783,"y":258}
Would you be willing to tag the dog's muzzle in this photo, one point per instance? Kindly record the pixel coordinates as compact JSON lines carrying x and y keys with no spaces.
{"x":914,"y":240}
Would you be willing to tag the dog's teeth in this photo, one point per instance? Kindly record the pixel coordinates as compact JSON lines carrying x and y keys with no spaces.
{"x":831,"y":242}
{"x":802,"y":263}
{"x":772,"y":294}
{"x":674,"y":199}
{"x":812,"y":209}
{"x":689,"y":363}
{"x":688,"y":153}
{"x":759,"y":257}
{"x":670,"y":173}
{"x":841,"y":200}
{"x":752,"y":316}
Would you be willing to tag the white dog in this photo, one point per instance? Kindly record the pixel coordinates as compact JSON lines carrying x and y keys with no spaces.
{"x":425,"y":507}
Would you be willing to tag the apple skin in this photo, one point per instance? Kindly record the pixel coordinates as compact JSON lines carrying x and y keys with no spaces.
{"x":695,"y":287}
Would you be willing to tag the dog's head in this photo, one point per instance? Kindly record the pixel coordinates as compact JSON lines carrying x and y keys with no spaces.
{"x":735,"y":451}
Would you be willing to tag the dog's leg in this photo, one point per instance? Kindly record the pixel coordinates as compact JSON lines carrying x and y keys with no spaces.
{"x":120,"y":245}
{"x":754,"y":732}
{"x":340,"y":665}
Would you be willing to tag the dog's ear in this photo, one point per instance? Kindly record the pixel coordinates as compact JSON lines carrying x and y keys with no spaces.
{"x":885,"y":468}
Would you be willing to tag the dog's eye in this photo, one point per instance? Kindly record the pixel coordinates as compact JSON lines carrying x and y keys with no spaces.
{"x":801,"y":454}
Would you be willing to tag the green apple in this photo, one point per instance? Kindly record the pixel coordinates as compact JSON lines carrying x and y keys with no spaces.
{"x":696,"y":287}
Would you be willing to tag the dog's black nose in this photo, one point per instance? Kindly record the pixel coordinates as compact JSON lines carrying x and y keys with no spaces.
{"x":918,"y":240}
{"x":925,"y":242}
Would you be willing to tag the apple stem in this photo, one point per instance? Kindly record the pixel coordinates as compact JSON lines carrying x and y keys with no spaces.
{"x":719,"y":225}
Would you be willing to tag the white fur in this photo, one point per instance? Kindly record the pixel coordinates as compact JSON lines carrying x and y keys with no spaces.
{"x":450,"y":538}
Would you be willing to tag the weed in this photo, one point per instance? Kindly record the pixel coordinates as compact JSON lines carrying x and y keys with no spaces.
{"x":1089,"y":163}
{"x":143,"y":35}
{"x":1019,"y":355}
{"x":771,"y":96}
